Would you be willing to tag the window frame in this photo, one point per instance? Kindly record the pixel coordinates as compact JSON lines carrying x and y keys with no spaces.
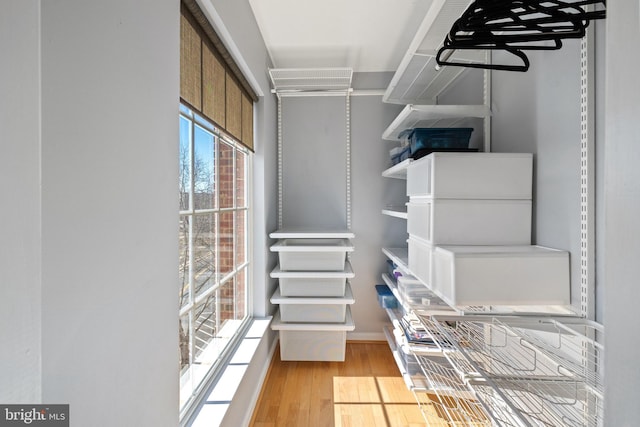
{"x":195,"y":301}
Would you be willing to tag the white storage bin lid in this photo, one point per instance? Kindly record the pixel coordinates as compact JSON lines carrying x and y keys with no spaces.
{"x":311,"y":233}
{"x":278,"y":325}
{"x":312,"y":245}
{"x":348,"y":298}
{"x":348,"y":273}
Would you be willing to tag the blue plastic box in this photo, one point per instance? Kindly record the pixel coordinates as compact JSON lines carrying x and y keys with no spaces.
{"x":435,"y":138}
{"x":386,"y":299}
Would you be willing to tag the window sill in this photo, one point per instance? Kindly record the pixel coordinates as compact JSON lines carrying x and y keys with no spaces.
{"x":213,"y":409}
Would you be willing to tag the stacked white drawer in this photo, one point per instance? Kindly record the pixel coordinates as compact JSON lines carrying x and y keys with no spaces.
{"x":313,"y":294}
{"x":464,"y":206}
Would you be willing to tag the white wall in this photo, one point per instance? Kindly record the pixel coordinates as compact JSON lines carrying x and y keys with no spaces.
{"x":314,"y":162}
{"x":371,"y":193}
{"x":621,"y":207}
{"x":314,"y":157}
{"x":539,"y":112}
{"x":20,"y":232}
{"x":110,"y":90}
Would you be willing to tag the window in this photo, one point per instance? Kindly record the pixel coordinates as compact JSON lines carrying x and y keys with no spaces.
{"x":213,"y":262}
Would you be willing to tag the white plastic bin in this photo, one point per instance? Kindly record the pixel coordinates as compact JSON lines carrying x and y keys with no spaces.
{"x":312,"y":254}
{"x":470,"y":222}
{"x":313,"y":309}
{"x":313,"y":341}
{"x":313,"y":283}
{"x":420,"y":259}
{"x":471,"y":176}
{"x":501,"y":275}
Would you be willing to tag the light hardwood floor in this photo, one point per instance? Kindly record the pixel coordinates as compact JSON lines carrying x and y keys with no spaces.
{"x":365,"y":390}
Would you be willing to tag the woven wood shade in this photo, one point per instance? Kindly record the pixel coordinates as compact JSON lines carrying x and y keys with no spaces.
{"x":247,"y":120}
{"x":210,"y":81}
{"x":190,"y":70}
{"x":213,"y":87}
{"x":234,"y":108}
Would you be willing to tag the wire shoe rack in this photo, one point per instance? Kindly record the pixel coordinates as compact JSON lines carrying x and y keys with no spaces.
{"x":513,"y":371}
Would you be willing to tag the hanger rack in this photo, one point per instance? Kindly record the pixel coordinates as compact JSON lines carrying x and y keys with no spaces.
{"x":514,"y":26}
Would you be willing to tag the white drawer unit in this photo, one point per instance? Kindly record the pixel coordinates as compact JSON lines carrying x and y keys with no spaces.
{"x":501,"y":275}
{"x":313,"y":293}
{"x":470,"y":222}
{"x":313,"y":309}
{"x":313,"y":283}
{"x":312,"y":254}
{"x":420,"y":259}
{"x":471,"y":176}
{"x":313,"y":341}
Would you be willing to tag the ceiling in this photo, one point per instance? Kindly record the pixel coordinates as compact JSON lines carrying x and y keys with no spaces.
{"x":365,"y":35}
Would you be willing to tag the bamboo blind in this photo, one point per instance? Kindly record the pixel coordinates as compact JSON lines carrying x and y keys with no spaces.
{"x":190,"y":71}
{"x":247,"y":120}
{"x":213,"y":90}
{"x":234,"y":108}
{"x":208,"y":83}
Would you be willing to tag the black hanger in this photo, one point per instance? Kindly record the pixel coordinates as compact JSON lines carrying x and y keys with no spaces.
{"x":517,"y":25}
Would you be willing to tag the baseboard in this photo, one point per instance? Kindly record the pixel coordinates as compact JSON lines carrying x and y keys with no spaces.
{"x":366,"y":336}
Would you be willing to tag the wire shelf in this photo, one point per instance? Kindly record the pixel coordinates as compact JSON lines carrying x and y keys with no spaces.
{"x":526,"y":372}
{"x":449,"y":397}
{"x":297,"y":80}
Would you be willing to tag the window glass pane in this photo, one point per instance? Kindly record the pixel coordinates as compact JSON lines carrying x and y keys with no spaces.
{"x":185,"y":164}
{"x":183,"y":261}
{"x":204,"y":329}
{"x":204,"y":252}
{"x":241,"y":188}
{"x":241,"y":294}
{"x":241,"y":233}
{"x":187,"y":384}
{"x":203,"y":169}
{"x":227,"y":301}
{"x":227,"y":261}
{"x":213,"y":242}
{"x":225,"y":178}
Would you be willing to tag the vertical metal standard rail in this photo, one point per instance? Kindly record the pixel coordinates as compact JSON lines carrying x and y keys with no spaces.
{"x":348,"y":155}
{"x":280,"y":204}
{"x":487,"y":101}
{"x":587,"y":164}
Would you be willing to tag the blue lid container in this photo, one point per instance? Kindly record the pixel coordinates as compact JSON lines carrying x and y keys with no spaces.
{"x":435,"y":138}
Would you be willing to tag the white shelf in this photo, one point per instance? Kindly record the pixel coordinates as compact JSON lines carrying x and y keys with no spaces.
{"x":417,"y":79}
{"x":400,"y":256}
{"x":444,"y":116}
{"x":412,"y":375}
{"x":296,"y":80}
{"x":311,"y":233}
{"x":278,"y":325}
{"x":348,"y":298}
{"x":396,"y":211}
{"x":398,"y":171}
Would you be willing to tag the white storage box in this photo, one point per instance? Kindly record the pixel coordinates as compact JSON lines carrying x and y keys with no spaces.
{"x":471,"y":176}
{"x":312,"y":254}
{"x":313,"y":309}
{"x":313,"y":341}
{"x":470,"y":222}
{"x":501,"y":275}
{"x":313,"y":283}
{"x":420,"y":259}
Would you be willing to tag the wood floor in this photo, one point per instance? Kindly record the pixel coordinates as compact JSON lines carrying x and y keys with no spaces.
{"x":365,"y":390}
